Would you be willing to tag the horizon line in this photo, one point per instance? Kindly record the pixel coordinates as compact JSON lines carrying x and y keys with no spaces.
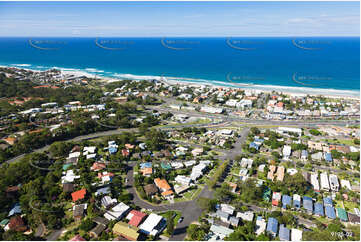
{"x":253,"y":36}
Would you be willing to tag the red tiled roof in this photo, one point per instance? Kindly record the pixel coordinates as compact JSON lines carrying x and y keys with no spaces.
{"x":137,"y":218}
{"x":16,"y":223}
{"x":77,"y":238}
{"x":78,"y":195}
{"x":46,"y":86}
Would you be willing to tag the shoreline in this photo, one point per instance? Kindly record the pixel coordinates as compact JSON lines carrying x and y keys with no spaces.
{"x":113,"y":77}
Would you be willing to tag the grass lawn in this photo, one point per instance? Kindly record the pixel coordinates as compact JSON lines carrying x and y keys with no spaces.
{"x":175,"y":219}
{"x":341,"y":141}
{"x":349,"y":206}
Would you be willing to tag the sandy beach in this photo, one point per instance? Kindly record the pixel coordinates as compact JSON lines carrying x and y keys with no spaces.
{"x":290,"y":90}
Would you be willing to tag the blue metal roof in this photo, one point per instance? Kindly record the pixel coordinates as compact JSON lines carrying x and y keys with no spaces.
{"x":16,"y":209}
{"x":304,"y":153}
{"x":327,"y":201}
{"x":328,"y":157}
{"x":272,"y":225}
{"x":286,"y":200}
{"x":308,"y":203}
{"x":284,"y":233}
{"x":319,"y":209}
{"x":146,"y":165}
{"x":253,"y":145}
{"x":330,"y":212}
{"x":113,"y":150}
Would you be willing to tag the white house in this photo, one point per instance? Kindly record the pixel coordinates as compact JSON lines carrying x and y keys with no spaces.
{"x":117,"y":212}
{"x":324,"y":181}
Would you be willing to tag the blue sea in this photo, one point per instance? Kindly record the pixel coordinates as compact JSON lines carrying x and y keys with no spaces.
{"x":305,"y":64}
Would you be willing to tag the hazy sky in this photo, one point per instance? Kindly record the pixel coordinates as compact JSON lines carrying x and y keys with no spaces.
{"x":150,"y":19}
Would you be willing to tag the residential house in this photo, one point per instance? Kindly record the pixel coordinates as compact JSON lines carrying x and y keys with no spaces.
{"x":318,"y":210}
{"x":276,"y":198}
{"x":17,"y":224}
{"x":150,"y":190}
{"x":308,"y":204}
{"x":328,"y":157}
{"x":280,"y":173}
{"x":271,"y":172}
{"x":97,"y":230}
{"x":164,"y":187}
{"x":227,"y":208}
{"x":153,"y":225}
{"x":353,"y":218}
{"x":272,"y":226}
{"x":304,"y":155}
{"x":314,"y":182}
{"x":117,"y":212}
{"x":78,"y":211}
{"x":286,"y":201}
{"x":284,"y":233}
{"x":125,"y":230}
{"x":107,"y":201}
{"x":221,"y":231}
{"x":334,"y":182}
{"x":223,"y":216}
{"x":246,"y":216}
{"x":260,"y":225}
{"x":346,"y":184}
{"x":296,"y":235}
{"x":296,"y":201}
{"x":286,"y":152}
{"x":136,"y":218}
{"x":234,"y":221}
{"x":317,"y":156}
{"x":78,"y":195}
{"x":324,"y":181}
{"x":342,"y":214}
{"x":330,"y":212}
{"x":77,"y":238}
{"x":98,"y":166}
{"x":184,"y":180}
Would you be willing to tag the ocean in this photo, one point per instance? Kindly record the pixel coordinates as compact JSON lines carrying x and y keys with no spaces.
{"x":308,"y":64}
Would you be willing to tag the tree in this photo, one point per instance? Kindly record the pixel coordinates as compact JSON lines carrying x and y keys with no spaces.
{"x":170,"y":224}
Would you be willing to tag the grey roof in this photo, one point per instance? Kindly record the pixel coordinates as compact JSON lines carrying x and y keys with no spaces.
{"x":308,"y":203}
{"x":101,"y":220}
{"x":98,"y":229}
{"x":284,"y":233}
{"x":222,"y":214}
{"x":234,"y":220}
